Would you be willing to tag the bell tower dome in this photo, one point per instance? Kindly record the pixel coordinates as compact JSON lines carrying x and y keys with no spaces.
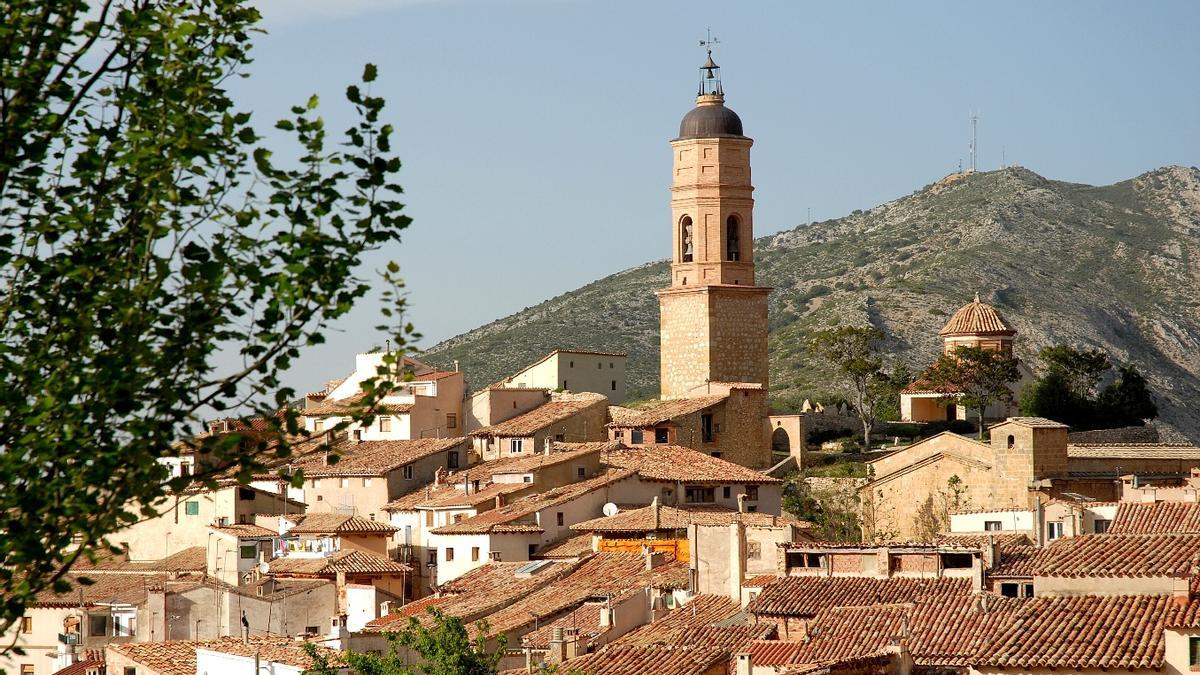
{"x":713,"y":325}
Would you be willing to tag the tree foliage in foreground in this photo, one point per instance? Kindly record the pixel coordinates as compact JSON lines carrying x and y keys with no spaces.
{"x":443,"y":648}
{"x":144,"y":229}
{"x":1069,"y":391}
{"x":855,"y":353}
{"x":975,"y":378}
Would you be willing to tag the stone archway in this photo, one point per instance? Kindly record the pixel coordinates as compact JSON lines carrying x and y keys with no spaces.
{"x":780,"y":441}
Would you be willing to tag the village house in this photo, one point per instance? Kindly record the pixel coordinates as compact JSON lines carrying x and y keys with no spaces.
{"x":575,"y":371}
{"x":329,"y":532}
{"x":276,"y":655}
{"x":496,"y":404}
{"x":570,"y":418}
{"x":362,"y":580}
{"x":680,"y":476}
{"x":978,"y":325}
{"x":429,"y":405}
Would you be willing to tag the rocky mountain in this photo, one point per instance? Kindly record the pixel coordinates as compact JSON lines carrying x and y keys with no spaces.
{"x":1114,"y":266}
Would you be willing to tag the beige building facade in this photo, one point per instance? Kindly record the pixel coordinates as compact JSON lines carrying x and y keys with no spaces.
{"x":574,"y":370}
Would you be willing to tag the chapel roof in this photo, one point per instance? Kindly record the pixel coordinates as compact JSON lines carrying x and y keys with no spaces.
{"x":977,"y":318}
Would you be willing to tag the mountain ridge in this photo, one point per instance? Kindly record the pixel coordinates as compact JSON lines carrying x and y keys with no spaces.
{"x":1112,"y":266}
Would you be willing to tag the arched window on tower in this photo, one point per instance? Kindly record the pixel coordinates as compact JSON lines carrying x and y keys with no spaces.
{"x":687,"y":243}
{"x":732,"y":248}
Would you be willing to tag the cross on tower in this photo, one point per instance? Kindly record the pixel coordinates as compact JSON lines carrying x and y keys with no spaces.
{"x":709,"y":41}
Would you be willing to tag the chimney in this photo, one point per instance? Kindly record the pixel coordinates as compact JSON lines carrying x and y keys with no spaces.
{"x":571,"y":637}
{"x":606,"y":617}
{"x":499,"y":501}
{"x":456,"y":365}
{"x":744,"y":665}
{"x":654,"y":559}
{"x":741,"y":502}
{"x":549,"y":444}
{"x":1181,"y":593}
{"x":557,"y":651}
{"x":657,"y":516}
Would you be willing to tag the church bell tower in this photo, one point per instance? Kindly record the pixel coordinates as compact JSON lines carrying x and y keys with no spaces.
{"x":713,"y":319}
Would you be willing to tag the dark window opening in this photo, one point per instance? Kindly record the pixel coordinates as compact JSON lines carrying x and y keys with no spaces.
{"x":732,"y":248}
{"x":245,"y":494}
{"x":805,"y":560}
{"x":695,"y":494}
{"x":1010,"y":590}
{"x":452,"y":459}
{"x":661,"y":435}
{"x":992,"y":526}
{"x":1100,"y":526}
{"x":686,"y":240}
{"x":956,"y":561}
{"x":706,"y":428}
{"x":635,"y":437}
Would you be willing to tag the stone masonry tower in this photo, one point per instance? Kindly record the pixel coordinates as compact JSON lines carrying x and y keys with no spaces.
{"x":713,"y":318}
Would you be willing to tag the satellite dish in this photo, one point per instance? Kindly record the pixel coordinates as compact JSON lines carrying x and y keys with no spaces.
{"x":611,"y":509}
{"x":263,"y":567}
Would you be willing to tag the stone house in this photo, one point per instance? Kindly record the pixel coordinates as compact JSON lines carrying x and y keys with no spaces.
{"x":570,"y":418}
{"x":574,"y":370}
{"x":496,"y":404}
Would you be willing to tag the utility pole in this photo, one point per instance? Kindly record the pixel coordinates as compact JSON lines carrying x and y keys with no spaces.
{"x":974,"y":147}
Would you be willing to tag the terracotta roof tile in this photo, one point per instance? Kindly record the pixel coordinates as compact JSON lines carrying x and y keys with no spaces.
{"x":349,"y":561}
{"x":661,"y":412}
{"x":453,"y":496}
{"x":178,"y":657}
{"x":351,"y":404}
{"x":675,"y":463}
{"x":1017,"y":562}
{"x":191,"y":559}
{"x":1133,"y":451}
{"x":979,"y":540}
{"x":654,"y":518}
{"x":126,"y":588}
{"x":977,"y":318}
{"x":585,"y":619}
{"x":1120,"y":555}
{"x":806,"y":596}
{"x":1156,"y":518}
{"x":371,"y":458}
{"x":629,"y":660}
{"x":572,"y":547}
{"x":338,"y":523}
{"x":245,"y":530}
{"x":702,"y":611}
{"x":539,"y":418}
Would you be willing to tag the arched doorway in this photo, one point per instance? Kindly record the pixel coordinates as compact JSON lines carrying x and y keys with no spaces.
{"x":780,"y":442}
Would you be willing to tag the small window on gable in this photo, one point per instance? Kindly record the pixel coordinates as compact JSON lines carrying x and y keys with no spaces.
{"x":408,"y":472}
{"x":1012,"y":440}
{"x":614,"y":385}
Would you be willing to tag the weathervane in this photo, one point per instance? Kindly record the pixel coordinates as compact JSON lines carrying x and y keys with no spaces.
{"x":710,"y":72}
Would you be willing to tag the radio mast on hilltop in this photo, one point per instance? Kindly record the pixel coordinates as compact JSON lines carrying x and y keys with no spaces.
{"x":974,"y":147}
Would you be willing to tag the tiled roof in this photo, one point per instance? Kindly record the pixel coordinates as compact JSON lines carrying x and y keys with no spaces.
{"x":572,"y":547}
{"x":178,"y":657}
{"x":371,"y":458}
{"x":675,"y":463}
{"x":806,"y":596}
{"x":702,"y":611}
{"x":1082,"y":632}
{"x":351,"y":404}
{"x":977,"y":318}
{"x":979,"y":540}
{"x":518,"y":516}
{"x":539,"y":418}
{"x":338,"y":523}
{"x":90,"y":661}
{"x":1133,"y":451}
{"x":349,"y":561}
{"x":1156,"y":518}
{"x":661,"y":412}
{"x":1017,"y":562}
{"x":125,"y":588}
{"x":585,"y":619}
{"x":245,"y":530}
{"x":1032,"y":422}
{"x":653,"y":518}
{"x":453,"y":496}
{"x":1120,"y":555}
{"x":629,"y":660}
{"x":435,"y":375}
{"x":559,"y":453}
{"x":191,"y":559}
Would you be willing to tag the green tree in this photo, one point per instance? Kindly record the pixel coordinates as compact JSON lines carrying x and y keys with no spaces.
{"x":1067,"y":392}
{"x":1127,"y":399}
{"x":854,"y":351}
{"x":974,"y":377}
{"x":1080,"y":370}
{"x":834,"y":515}
{"x":887,"y":391}
{"x":145,"y":229}
{"x":443,"y":648}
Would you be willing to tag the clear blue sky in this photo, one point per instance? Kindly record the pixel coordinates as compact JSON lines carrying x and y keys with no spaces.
{"x":534,"y":134}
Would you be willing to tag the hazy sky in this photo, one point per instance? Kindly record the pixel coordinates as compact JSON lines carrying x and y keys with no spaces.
{"x":534,"y":134}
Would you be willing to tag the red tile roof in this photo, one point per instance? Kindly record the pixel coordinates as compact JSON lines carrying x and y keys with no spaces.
{"x":1156,"y":518}
{"x":1133,"y":451}
{"x":660,"y":412}
{"x":126,"y":588}
{"x":573,"y":547}
{"x":977,"y":318}
{"x":1017,"y":562}
{"x":453,"y":496}
{"x":545,"y":415}
{"x":178,"y":657}
{"x":806,"y":596}
{"x":675,"y":463}
{"x":245,"y":530}
{"x":1120,"y":555}
{"x":654,"y":518}
{"x":338,"y":523}
{"x":370,"y":458}
{"x":351,"y":404}
{"x":628,"y":660}
{"x":680,"y":624}
{"x":349,"y":561}
{"x":191,"y":559}
{"x":585,"y":619}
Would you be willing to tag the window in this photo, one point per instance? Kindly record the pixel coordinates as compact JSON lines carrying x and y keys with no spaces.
{"x":635,"y":437}
{"x":661,"y":435}
{"x":316,"y":483}
{"x":732,"y":248}
{"x":559,"y":518}
{"x":992,"y":526}
{"x":249,"y":552}
{"x":614,"y":385}
{"x":580,"y":472}
{"x":429,"y":519}
{"x":805,"y":560}
{"x":474,"y":554}
{"x":366,"y":482}
{"x":725,"y":491}
{"x":1010,"y":590}
{"x":451,"y":420}
{"x":753,"y":550}
{"x":532,"y":550}
{"x":319,"y":425}
{"x":564,"y":385}
{"x":706,"y":428}
{"x":1054,"y":530}
{"x":185,"y":469}
{"x":452,"y":459}
{"x":1012,"y":440}
{"x":715,"y":454}
{"x":97,"y":625}
{"x":600,"y":366}
{"x":343,"y":482}
{"x":408,"y":472}
{"x":26,"y":669}
{"x":1194,"y":651}
{"x":432,"y":557}
{"x":560,"y":437}
{"x":1100,"y":526}
{"x":572,"y":364}
{"x":385,"y":424}
{"x":459,"y":517}
{"x":191,"y":508}
{"x":752,"y":493}
{"x":312,"y":630}
{"x":527,"y":479}
{"x":956,"y":561}
{"x":515,"y":445}
{"x":27,"y":624}
{"x":687,"y":246}
{"x":449,"y":554}
{"x":610,"y":365}
{"x":695,"y":494}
